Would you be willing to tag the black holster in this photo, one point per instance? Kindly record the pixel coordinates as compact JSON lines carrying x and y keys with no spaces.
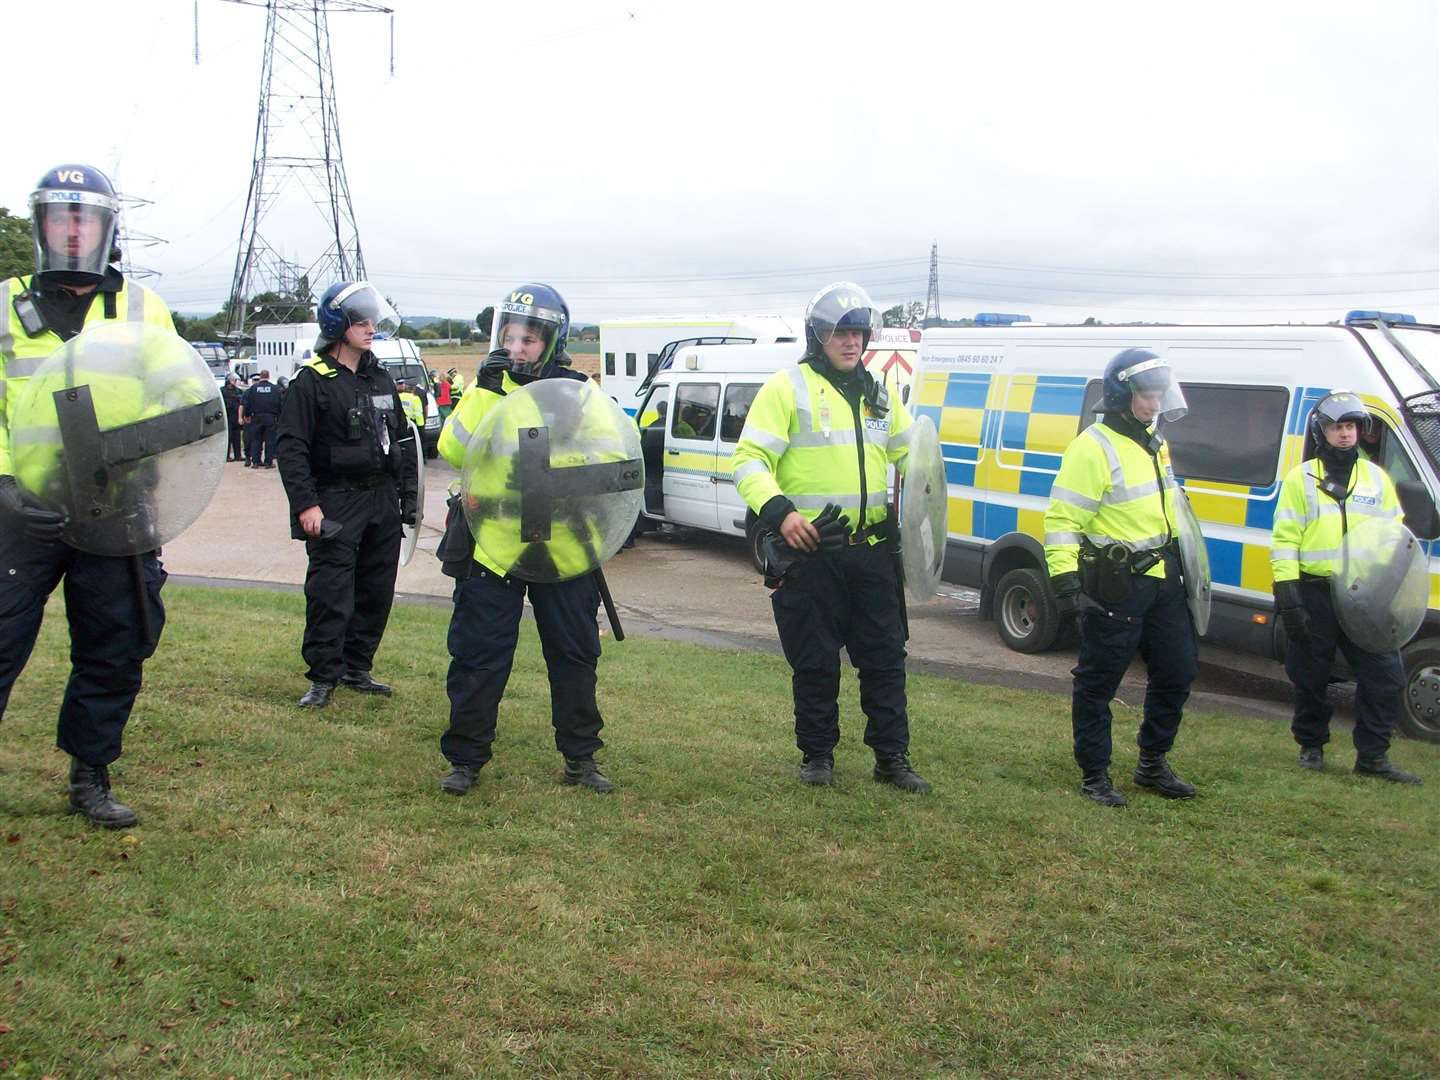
{"x":1105,"y":573}
{"x":456,"y":550}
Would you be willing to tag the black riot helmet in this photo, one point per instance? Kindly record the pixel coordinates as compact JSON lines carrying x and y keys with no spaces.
{"x":1142,"y":371}
{"x":74,"y":215}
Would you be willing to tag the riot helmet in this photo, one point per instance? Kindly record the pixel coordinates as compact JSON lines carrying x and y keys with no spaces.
{"x":74,"y":213}
{"x":537,"y":321}
{"x":351,"y":303}
{"x":1334,"y":408}
{"x":840,"y":305}
{"x":1142,"y":371}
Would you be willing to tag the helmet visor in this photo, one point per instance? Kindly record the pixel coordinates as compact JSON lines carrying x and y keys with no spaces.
{"x":74,"y":231}
{"x":362,"y":303}
{"x":1342,"y":405}
{"x":1155,"y":383}
{"x":527,"y":333}
{"x":841,"y":305}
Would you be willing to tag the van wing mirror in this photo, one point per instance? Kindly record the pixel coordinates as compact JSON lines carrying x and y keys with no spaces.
{"x":1419,"y":509}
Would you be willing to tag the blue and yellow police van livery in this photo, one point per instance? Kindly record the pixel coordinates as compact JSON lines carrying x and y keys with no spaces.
{"x":1008,"y":400}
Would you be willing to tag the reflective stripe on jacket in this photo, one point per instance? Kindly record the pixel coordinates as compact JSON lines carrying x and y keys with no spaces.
{"x":804,"y":440}
{"x":21,"y":355}
{"x":1109,"y":489}
{"x":1309,"y":527}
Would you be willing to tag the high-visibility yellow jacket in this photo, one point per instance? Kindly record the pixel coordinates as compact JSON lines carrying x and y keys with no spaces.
{"x":498,"y":546}
{"x":21,"y":355}
{"x":457,"y":386}
{"x":1109,"y":489}
{"x":804,"y":440}
{"x":1308,"y":528}
{"x":414,"y":410}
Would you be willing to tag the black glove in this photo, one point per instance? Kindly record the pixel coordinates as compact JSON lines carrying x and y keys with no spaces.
{"x":833,"y":528}
{"x":408,"y":511}
{"x":1067,"y":592}
{"x":1293,"y":616}
{"x":40,"y":524}
{"x":492,"y":372}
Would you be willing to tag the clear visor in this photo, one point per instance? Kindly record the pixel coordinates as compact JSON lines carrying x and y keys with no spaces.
{"x":527,"y":334}
{"x":362,"y":303}
{"x":843,"y":304}
{"x":1154,"y":390}
{"x":74,"y":231}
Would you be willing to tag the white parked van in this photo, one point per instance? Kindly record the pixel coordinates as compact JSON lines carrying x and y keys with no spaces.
{"x":280,"y":348}
{"x":402,"y":359}
{"x":1008,"y":400}
{"x":692,"y":414}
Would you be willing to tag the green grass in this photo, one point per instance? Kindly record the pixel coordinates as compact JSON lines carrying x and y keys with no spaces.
{"x":300,"y":899}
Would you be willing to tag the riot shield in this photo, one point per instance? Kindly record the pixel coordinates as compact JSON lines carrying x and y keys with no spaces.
{"x":410,"y":534}
{"x":924,"y":509}
{"x":123,"y":430}
{"x":1194,"y":561}
{"x":1381,"y":590}
{"x":552,"y":480}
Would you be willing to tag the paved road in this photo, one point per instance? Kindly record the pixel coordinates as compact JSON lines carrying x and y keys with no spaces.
{"x":686,"y":585}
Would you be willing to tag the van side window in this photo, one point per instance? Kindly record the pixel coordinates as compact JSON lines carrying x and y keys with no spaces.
{"x":693,"y":414}
{"x":738,"y":397}
{"x":629,"y":363}
{"x":1385,"y":449}
{"x":1231,"y":434}
{"x":609,"y":363}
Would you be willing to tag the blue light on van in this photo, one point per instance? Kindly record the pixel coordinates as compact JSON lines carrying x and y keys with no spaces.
{"x":1377,"y":316}
{"x":991,"y":318}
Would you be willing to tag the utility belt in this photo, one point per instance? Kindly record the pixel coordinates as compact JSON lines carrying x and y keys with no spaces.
{"x":349,"y":484}
{"x":1108,"y":572}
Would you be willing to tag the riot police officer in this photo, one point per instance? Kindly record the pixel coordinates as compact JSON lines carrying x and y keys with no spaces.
{"x":529,"y":334}
{"x":347,"y":459}
{"x":74,"y":218}
{"x":812,"y":464}
{"x":411,"y":404}
{"x":260,"y":409}
{"x":1110,"y":534}
{"x":1320,"y":500}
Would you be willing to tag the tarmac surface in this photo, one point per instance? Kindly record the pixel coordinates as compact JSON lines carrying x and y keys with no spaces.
{"x":687,"y":585}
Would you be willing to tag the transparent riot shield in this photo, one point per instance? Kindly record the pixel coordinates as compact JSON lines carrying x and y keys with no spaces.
{"x":410,"y":534}
{"x":123,"y":430}
{"x":924,"y":507}
{"x":1194,"y":561}
{"x":1381,"y":589}
{"x":552,"y":480}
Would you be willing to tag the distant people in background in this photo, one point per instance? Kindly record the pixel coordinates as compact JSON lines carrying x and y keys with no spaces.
{"x":282,"y":384}
{"x":230,"y":392}
{"x":260,"y":409}
{"x":457,"y":384}
{"x":410,"y":402}
{"x":443,"y":400}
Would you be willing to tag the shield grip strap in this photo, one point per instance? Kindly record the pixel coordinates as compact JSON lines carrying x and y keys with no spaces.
{"x":542,"y":485}
{"x":75,"y":409}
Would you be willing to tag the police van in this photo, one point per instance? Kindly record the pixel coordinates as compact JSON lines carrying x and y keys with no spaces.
{"x":1007,"y":401}
{"x":691,"y":415}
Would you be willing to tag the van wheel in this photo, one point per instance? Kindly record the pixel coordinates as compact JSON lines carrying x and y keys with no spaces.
{"x":1420,"y":718}
{"x":1025,"y":615}
{"x":754,"y":533}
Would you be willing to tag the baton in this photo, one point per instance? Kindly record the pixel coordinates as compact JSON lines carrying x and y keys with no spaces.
{"x":142,"y":599}
{"x":609,"y":602}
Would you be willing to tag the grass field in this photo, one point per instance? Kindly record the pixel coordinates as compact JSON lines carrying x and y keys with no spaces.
{"x":300,"y":899}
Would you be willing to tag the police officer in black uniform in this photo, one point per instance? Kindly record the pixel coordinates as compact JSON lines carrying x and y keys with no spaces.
{"x":232,"y":394}
{"x":347,"y":460}
{"x":260,"y":406}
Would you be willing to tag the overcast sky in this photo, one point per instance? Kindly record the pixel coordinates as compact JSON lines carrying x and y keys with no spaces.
{"x":1242,"y":162}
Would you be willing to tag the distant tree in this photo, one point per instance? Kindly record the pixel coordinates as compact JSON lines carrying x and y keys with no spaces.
{"x":894,"y":316}
{"x":482,"y":323}
{"x":407,"y":332}
{"x":429,"y":334}
{"x":915,"y":314}
{"x":17,"y":253}
{"x":1090,"y":320}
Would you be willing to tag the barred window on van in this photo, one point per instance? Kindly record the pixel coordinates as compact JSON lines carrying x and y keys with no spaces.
{"x":629,"y":363}
{"x":1231,"y":434}
{"x":609,"y":363}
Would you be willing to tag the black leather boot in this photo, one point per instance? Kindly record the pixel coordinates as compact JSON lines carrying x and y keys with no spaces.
{"x":1312,"y":758}
{"x":318,"y":696}
{"x":90,"y":795}
{"x":361,"y":681}
{"x":818,"y":769}
{"x":460,"y":779}
{"x":895,"y":770}
{"x":1385,"y":769}
{"x":583,"y":772}
{"x":1154,"y":772}
{"x":1096,"y":787}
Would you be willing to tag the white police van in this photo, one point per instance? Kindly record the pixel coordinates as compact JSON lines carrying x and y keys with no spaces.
{"x":691,"y":415}
{"x":1008,"y":400}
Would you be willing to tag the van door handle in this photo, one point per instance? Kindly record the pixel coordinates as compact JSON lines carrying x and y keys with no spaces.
{"x":675,"y":452}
